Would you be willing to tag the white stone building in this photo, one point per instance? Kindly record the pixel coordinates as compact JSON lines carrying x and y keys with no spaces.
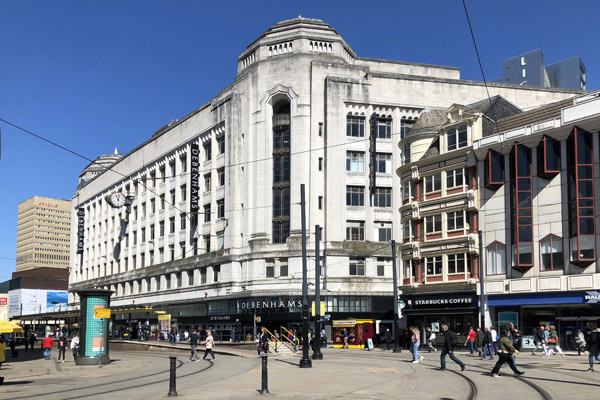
{"x":298,"y":112}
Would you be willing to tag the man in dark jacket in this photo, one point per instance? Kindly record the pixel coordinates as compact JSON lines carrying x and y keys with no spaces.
{"x":487,"y":344}
{"x":539,"y":340}
{"x":449,"y":339}
{"x":387,"y":338}
{"x":479,"y":342}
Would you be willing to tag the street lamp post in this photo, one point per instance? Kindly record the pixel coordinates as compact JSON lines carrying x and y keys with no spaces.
{"x":395,"y":275}
{"x":305,"y":362}
{"x":317,"y":355}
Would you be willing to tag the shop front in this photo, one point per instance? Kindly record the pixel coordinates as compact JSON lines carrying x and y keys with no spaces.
{"x":567,"y":311}
{"x":359,"y":332}
{"x":457,"y":309}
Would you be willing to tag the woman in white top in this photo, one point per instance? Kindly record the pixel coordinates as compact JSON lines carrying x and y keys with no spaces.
{"x":210,"y":344}
{"x":75,"y":347}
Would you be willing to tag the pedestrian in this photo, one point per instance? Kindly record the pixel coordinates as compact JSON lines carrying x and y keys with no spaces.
{"x":47,"y":346}
{"x":580,"y":342}
{"x":515,"y":335}
{"x":12,"y":344}
{"x":387,"y":338}
{"x":414,"y":346}
{"x":471,"y":340}
{"x":346,"y":337}
{"x":3,"y":350}
{"x":210,"y":344}
{"x":539,"y":339}
{"x":193,"y":341}
{"x":449,"y":343}
{"x":173,"y":334}
{"x":479,"y":342}
{"x":488,"y":344}
{"x":505,"y":350}
{"x":323,"y":338}
{"x":75,"y":346}
{"x":593,"y":345}
{"x":430,"y":336}
{"x":263,"y":342}
{"x":553,"y":341}
{"x":62,"y":348}
{"x":495,"y":338}
{"x":140,"y":331}
{"x":32,"y":340}
{"x":276,"y":341}
{"x":407,"y":335}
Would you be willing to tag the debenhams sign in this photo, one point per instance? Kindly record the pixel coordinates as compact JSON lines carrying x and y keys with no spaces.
{"x":251,"y":305}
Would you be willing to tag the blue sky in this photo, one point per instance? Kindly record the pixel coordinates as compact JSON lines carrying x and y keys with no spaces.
{"x":95,"y":75}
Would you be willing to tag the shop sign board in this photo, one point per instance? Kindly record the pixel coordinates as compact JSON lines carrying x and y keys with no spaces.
{"x":527,"y":341}
{"x":442,"y":301}
{"x":591,"y":297}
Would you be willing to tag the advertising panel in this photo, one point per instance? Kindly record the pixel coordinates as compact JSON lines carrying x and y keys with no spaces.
{"x":96,"y":329}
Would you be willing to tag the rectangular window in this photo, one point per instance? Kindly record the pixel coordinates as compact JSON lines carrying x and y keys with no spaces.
{"x":355,"y":126}
{"x":203,"y":276}
{"x":172,"y":252}
{"x":216,"y":273}
{"x":172,"y":193}
{"x":152,"y":232}
{"x":434,"y":265}
{"x":182,"y":219}
{"x":142,"y":260}
{"x":221,"y":144}
{"x":152,"y":206}
{"x":283,"y":267}
{"x":221,"y":208}
{"x":521,"y":206}
{"x":384,"y":128}
{"x":183,"y":192}
{"x":496,"y":259}
{"x":152,"y":182}
{"x":433,"y":223}
{"x":454,"y":178}
{"x":320,"y":202}
{"x":381,"y":266}
{"x":456,"y":264}
{"x":207,"y":243}
{"x":161,"y":228}
{"x":281,"y":230}
{"x":548,"y":156}
{"x":161,"y":255}
{"x":270,"y":268}
{"x":383,"y":163}
{"x":221,"y":176}
{"x":355,"y":230}
{"x":281,"y":201}
{"x":433,"y":183}
{"x":163,"y":172}
{"x":182,"y":249}
{"x":220,"y":240}
{"x":207,"y":151}
{"x":383,"y":197}
{"x":355,"y":161}
{"x":355,"y":196}
{"x":143,"y":210}
{"x":207,"y":213}
{"x":494,"y":170}
{"x":457,"y":138}
{"x":207,"y":183}
{"x":357,"y":266}
{"x":320,"y":163}
{"x":172,"y":169}
{"x":406,"y":191}
{"x":162,"y":201}
{"x":406,"y":153}
{"x":281,"y":167}
{"x":455,"y":220}
{"x":134,"y":238}
{"x":172,"y":225}
{"x":405,"y":127}
{"x":383,"y":231}
{"x":551,"y":251}
{"x":183,"y":163}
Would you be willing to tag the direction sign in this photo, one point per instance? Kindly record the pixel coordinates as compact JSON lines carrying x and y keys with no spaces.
{"x":102,"y":313}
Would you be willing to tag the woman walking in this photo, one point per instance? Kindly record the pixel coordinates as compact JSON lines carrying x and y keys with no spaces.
{"x":553,"y":341}
{"x":505,"y":350}
{"x":580,"y":341}
{"x":75,"y":347}
{"x":263,"y":342}
{"x":415,"y":343}
{"x":62,"y":348}
{"x":430,"y":336}
{"x":210,"y":344}
{"x":593,"y":345}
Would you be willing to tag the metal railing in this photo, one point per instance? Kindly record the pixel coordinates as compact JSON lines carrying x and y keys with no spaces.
{"x":294,"y":341}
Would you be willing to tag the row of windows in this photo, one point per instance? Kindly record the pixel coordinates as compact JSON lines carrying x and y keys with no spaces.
{"x":356,"y":266}
{"x":355,"y":196}
{"x":355,"y":231}
{"x":355,"y":162}
{"x":355,"y":127}
{"x":551,"y":255}
{"x":455,"y":220}
{"x":449,"y":264}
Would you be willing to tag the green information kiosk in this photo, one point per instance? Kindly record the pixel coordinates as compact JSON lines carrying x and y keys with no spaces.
{"x":93,"y":332}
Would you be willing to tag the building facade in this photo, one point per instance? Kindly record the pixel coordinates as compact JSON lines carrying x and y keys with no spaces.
{"x":203,"y":220}
{"x":529,"y":69}
{"x":539,"y":184}
{"x":43,"y":233}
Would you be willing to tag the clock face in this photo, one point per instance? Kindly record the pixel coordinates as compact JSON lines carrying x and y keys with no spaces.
{"x":117,"y":199}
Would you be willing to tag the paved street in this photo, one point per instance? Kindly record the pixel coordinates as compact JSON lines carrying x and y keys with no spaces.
{"x":343,"y":373}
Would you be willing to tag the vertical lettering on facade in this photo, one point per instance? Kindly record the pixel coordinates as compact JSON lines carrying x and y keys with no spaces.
{"x":80,"y":230}
{"x":195,"y":177}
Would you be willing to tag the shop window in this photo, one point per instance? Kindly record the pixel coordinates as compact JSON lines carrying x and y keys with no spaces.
{"x":496,"y":259}
{"x":548,"y":157}
{"x":434,"y":265}
{"x":355,"y":161}
{"x":355,"y":196}
{"x":454,"y":178}
{"x":433,"y":224}
{"x":494,"y":170}
{"x":384,"y":128}
{"x":357,"y":266}
{"x":405,"y":127}
{"x":456,"y":264}
{"x":521,"y":207}
{"x":383,"y":197}
{"x":455,"y":220}
{"x":457,"y":138}
{"x":580,"y":194}
{"x":355,"y":126}
{"x":433,"y":183}
{"x":551,"y":253}
{"x":355,"y":230}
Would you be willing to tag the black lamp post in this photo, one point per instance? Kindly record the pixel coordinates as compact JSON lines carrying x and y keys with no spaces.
{"x":395,"y":275}
{"x":317,"y":355}
{"x":305,"y":362}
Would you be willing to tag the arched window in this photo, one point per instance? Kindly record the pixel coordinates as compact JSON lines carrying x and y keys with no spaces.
{"x":551,"y":253}
{"x":496,"y":259}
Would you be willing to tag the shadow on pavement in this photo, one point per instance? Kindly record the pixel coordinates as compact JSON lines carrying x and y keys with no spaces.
{"x":6,"y":383}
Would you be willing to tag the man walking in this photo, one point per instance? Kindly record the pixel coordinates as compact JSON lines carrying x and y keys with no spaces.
{"x":430,"y":336}
{"x":488,"y":347}
{"x":47,"y":346}
{"x":387,"y":338}
{"x":449,"y":343}
{"x":494,"y":340}
{"x":539,"y":340}
{"x":32,"y":340}
{"x":479,"y":342}
{"x":193,"y":341}
{"x":346,"y":336}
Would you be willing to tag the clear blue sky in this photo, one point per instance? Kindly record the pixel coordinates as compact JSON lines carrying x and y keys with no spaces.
{"x":95,"y":75}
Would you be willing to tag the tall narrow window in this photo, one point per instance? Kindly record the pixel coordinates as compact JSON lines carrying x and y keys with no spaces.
{"x":494,"y":170}
{"x":496,"y":259}
{"x":281,"y":171}
{"x":521,"y":207}
{"x":207,"y":151}
{"x":548,"y":156}
{"x":405,"y":126}
{"x":580,"y":194}
{"x":406,"y":153}
{"x":551,"y":253}
{"x":221,"y":144}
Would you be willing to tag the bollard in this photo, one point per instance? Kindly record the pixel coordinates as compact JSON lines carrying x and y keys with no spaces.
{"x":265,"y":379}
{"x":172,"y":388}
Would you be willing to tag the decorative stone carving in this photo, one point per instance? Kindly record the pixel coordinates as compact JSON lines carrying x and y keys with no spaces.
{"x":414,"y":206}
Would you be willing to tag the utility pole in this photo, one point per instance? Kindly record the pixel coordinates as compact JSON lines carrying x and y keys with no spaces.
{"x":395,"y":275}
{"x":305,"y":362}
{"x":317,"y":355}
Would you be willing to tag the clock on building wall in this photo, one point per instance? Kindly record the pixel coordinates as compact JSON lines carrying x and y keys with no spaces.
{"x":116,"y":199}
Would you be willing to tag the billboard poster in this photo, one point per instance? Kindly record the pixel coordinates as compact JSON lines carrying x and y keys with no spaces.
{"x":96,"y":329}
{"x":57,"y":301}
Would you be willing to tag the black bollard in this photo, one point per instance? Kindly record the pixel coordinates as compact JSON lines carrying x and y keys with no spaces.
{"x":265,"y":378}
{"x":172,"y":388}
